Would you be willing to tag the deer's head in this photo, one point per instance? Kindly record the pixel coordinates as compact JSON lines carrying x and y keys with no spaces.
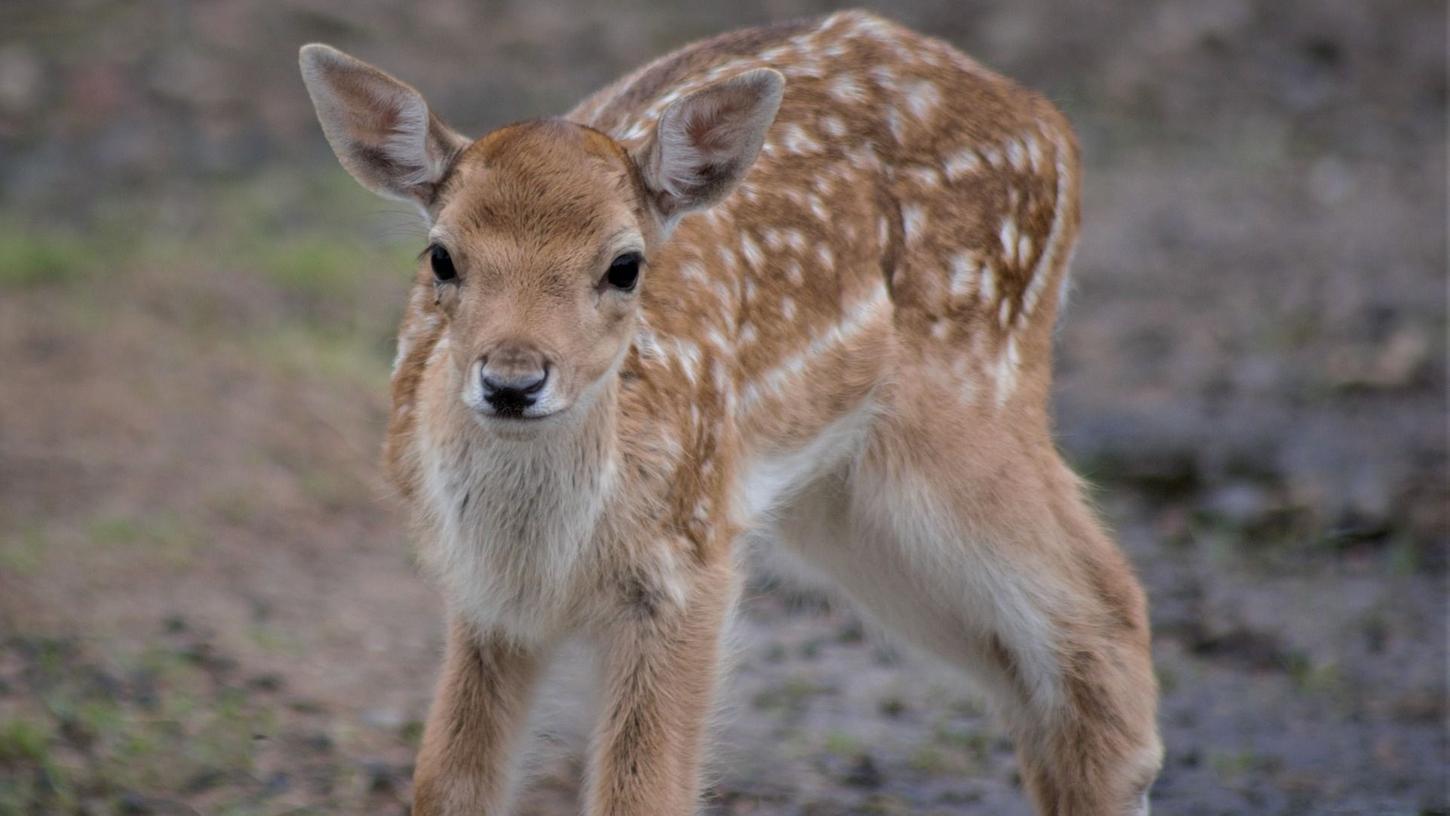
{"x":540,"y":232}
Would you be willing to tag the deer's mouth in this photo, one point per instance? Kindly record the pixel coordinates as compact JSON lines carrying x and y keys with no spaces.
{"x":511,"y":407}
{"x":515,"y":415}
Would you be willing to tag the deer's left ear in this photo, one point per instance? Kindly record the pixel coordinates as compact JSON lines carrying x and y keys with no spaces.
{"x":705,"y":143}
{"x":380,"y":128}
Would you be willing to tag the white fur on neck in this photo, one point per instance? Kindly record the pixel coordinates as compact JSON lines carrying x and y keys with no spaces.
{"x":513,"y":518}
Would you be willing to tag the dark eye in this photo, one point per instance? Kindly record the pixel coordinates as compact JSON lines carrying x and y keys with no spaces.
{"x":442,"y":263}
{"x":623,"y":272}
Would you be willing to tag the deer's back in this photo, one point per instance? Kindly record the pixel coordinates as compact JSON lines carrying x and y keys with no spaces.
{"x":908,"y":204}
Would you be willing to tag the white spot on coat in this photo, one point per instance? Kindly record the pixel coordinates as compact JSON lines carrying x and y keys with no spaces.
{"x":752,"y":253}
{"x":1008,"y":236}
{"x":923,"y":99}
{"x":913,"y":221}
{"x":962,"y":163}
{"x":964,"y":273}
{"x":859,"y":318}
{"x":1017,"y":154}
{"x":825,"y":256}
{"x":845,"y":88}
{"x":795,"y":140}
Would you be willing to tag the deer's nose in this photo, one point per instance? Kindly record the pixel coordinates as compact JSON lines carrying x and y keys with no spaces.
{"x":521,"y":385}
{"x":511,"y":377}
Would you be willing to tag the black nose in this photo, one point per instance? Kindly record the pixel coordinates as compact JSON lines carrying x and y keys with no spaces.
{"x":511,"y":391}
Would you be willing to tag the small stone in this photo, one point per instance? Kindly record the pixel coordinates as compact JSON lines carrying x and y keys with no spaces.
{"x":1239,"y":504}
{"x":893,"y":707}
{"x":271,"y":681}
{"x":386,"y":718}
{"x":382,"y":776}
{"x":1331,"y":182}
{"x":318,"y":742}
{"x":864,"y":773}
{"x":20,"y":78}
{"x":1397,"y":363}
{"x":278,"y":782}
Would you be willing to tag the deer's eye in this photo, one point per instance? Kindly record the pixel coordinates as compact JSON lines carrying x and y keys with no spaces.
{"x":442,"y":264}
{"x":623,"y":272}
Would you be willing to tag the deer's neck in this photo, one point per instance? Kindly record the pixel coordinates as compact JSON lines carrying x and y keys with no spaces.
{"x":516,"y":510}
{"x":551,"y":477}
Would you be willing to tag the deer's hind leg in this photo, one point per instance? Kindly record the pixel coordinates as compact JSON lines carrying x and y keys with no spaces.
{"x":973,"y":540}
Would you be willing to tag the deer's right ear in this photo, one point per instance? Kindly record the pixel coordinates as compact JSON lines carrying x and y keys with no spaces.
{"x":380,"y":128}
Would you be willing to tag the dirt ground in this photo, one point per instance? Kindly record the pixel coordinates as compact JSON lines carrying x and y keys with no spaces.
{"x":207,"y":600}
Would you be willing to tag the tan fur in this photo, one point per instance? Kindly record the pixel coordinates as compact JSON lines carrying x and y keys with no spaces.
{"x":844,"y":341}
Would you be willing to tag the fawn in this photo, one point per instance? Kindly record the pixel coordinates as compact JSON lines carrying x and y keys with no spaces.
{"x":798,"y":280}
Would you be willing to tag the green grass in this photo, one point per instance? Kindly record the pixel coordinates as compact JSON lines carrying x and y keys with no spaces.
{"x":306,"y":351}
{"x":842,"y":744}
{"x":22,"y":552}
{"x":24,"y":741}
{"x":117,"y":741}
{"x":290,"y":272}
{"x":1234,"y":766}
{"x":316,"y":266}
{"x":791,"y":695}
{"x":160,"y":535}
{"x":929,"y":759}
{"x":32,"y":257}
{"x":275,"y":640}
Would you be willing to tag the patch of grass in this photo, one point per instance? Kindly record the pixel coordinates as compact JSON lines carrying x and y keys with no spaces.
{"x":275,"y":640}
{"x":842,"y":744}
{"x":1321,"y":679}
{"x":23,"y":552}
{"x":39,"y":257}
{"x":115,"y":530}
{"x":310,"y":352}
{"x":1404,"y":556}
{"x":99,"y":716}
{"x":929,"y":759}
{"x":332,"y":490}
{"x":967,"y":707}
{"x":23,"y":740}
{"x":411,"y":732}
{"x":235,"y":505}
{"x":1236,"y":765}
{"x":1167,"y":679}
{"x":975,"y":745}
{"x":315,"y":238}
{"x":224,"y":740}
{"x":791,"y":695}
{"x":881,"y":804}
{"x":315,"y":266}
{"x":146,"y":726}
{"x":159,"y":534}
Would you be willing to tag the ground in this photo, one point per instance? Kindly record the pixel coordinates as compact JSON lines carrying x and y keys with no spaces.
{"x":208,"y":602}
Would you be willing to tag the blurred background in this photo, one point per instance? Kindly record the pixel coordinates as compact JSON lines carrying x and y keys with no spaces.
{"x":207,"y":600}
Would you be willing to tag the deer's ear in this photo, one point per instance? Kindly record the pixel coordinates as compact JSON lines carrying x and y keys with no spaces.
{"x":380,"y":128}
{"x":705,"y":143}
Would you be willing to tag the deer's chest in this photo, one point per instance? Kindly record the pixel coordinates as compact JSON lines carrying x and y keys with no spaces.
{"x":513,"y":532}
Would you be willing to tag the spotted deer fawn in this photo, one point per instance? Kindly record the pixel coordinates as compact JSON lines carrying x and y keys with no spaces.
{"x":798,"y":281}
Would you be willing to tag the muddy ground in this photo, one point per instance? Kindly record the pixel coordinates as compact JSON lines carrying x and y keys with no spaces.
{"x":207,"y":601}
